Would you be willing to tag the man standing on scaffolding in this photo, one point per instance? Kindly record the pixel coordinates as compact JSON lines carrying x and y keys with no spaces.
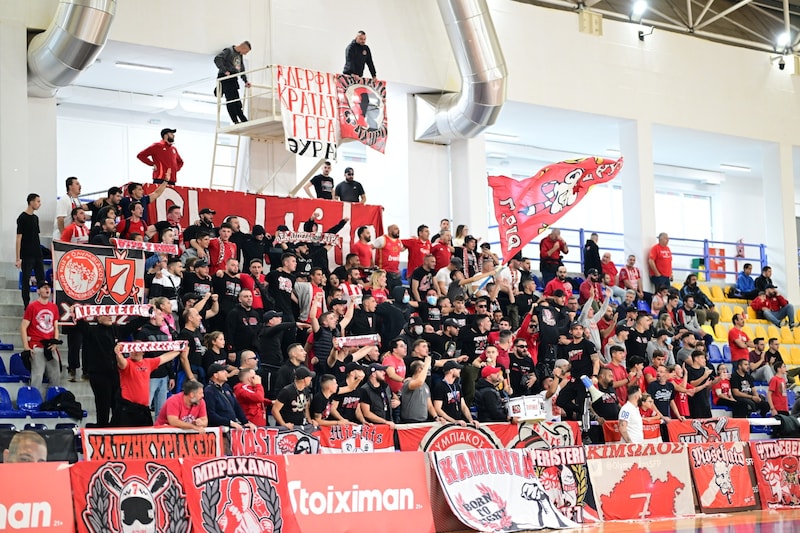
{"x":231,"y":61}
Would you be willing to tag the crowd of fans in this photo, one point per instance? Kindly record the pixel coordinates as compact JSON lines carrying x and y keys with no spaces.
{"x":275,"y":332}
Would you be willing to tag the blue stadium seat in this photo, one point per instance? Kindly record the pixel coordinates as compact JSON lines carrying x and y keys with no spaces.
{"x":48,"y":275}
{"x":66,"y":425}
{"x":17,"y":368}
{"x":29,"y":400}
{"x":4,"y":377}
{"x":726,"y":354}
{"x":7,"y":408}
{"x":714,"y":355}
{"x":11,"y":427}
{"x":52,"y":392}
{"x":538,"y":282}
{"x":791,"y":397}
{"x":36,"y":427}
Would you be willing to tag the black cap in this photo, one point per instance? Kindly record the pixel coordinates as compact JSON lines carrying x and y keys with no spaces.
{"x":451,"y":322}
{"x":165,"y":131}
{"x":576,"y":324}
{"x":269,"y":315}
{"x":338,"y":301}
{"x":517,"y":256}
{"x":173,"y":259}
{"x":470,"y":238}
{"x":486,"y":245}
{"x":213,"y":369}
{"x":200,"y":263}
{"x":207,"y":211}
{"x":44,"y":284}
{"x":592,"y":271}
{"x":349,"y":367}
{"x":663,"y":332}
{"x":190,"y":296}
{"x":375,"y":367}
{"x":348,"y":170}
{"x":258,"y":230}
{"x":450,"y":365}
{"x":622,"y":327}
{"x":457,"y":262}
{"x":414,"y":321}
{"x":302,"y":373}
{"x":558,"y":293}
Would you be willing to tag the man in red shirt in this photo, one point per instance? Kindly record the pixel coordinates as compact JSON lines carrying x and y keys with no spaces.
{"x":738,"y":341}
{"x":630,"y":277}
{"x":134,"y":381}
{"x":186,"y":410}
{"x":776,"y":393}
{"x":774,"y":307}
{"x":163,"y":157}
{"x":133,"y":224}
{"x":591,"y":288}
{"x":559,"y":282}
{"x":443,"y":249}
{"x":249,"y":392}
{"x":221,"y":249}
{"x":38,"y":329}
{"x":418,"y":247}
{"x":77,"y":232}
{"x":660,"y":261}
{"x":362,"y":248}
{"x":550,"y":250}
{"x":387,"y":256}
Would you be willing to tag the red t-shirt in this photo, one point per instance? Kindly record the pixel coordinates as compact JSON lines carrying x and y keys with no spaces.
{"x":442,"y":254}
{"x":364,"y":253}
{"x":388,"y":257}
{"x":42,"y":318}
{"x":736,"y":352}
{"x":400,"y":367}
{"x":611,"y":269}
{"x":681,"y":398}
{"x":662,"y":257}
{"x":650,"y":371}
{"x":76,"y":233}
{"x":127,"y":227}
{"x":555,"y":284}
{"x":631,"y":274}
{"x":134,"y":380}
{"x":777,"y":387}
{"x":218,"y":254}
{"x":247,"y":281}
{"x":174,"y":406}
{"x":380,"y":295}
{"x":619,"y":373}
{"x":417,"y":250}
{"x":723,"y":387}
{"x":546,"y":244}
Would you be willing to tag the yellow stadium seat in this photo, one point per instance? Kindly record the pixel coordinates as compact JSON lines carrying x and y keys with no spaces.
{"x":751,"y":314}
{"x":717,"y":294}
{"x":704,"y":289}
{"x":796,"y":335}
{"x":761,"y":332}
{"x":721,"y":332}
{"x":748,"y":329}
{"x":786,"y":336}
{"x":772,"y":331}
{"x":725,"y":313}
{"x":794,"y":356}
{"x":784,"y":351}
{"x":738,"y":309}
{"x":708,"y":329}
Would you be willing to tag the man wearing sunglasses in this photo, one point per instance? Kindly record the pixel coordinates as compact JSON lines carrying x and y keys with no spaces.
{"x":350,"y":190}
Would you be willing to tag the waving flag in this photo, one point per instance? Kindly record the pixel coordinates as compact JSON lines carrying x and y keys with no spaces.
{"x":526,"y":208}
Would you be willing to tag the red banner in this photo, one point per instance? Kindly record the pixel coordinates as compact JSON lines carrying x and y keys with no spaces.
{"x":112,"y":444}
{"x":721,"y":429}
{"x":775,"y":464}
{"x":366,"y":492}
{"x":526,"y":208}
{"x":233,"y":494}
{"x":565,"y":480}
{"x":437,"y":437}
{"x":362,"y":110}
{"x":271,"y":212}
{"x":611,"y":434}
{"x":36,"y":497}
{"x":263,"y":442}
{"x":723,"y":477}
{"x":129,"y":496}
{"x":640,"y":481}
{"x":356,"y":439}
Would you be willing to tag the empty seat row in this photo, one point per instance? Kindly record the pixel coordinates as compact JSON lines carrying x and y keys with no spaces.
{"x":28,"y":402}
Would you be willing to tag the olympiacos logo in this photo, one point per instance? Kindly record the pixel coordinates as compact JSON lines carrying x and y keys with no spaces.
{"x":80,"y":274}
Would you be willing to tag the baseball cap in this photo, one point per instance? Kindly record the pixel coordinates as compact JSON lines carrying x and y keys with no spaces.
{"x":456,"y":262}
{"x":375,"y":367}
{"x":592,"y":271}
{"x":486,"y":245}
{"x":663,"y":332}
{"x":200,"y":263}
{"x":450,"y":365}
{"x":348,"y":170}
{"x":207,"y":211}
{"x":45,"y":284}
{"x":302,"y":372}
{"x":190,"y":296}
{"x":269,"y":315}
{"x":576,"y":324}
{"x":558,"y":293}
{"x":470,"y":238}
{"x":167,"y":130}
{"x":349,"y":367}
{"x":489,"y":370}
{"x":621,"y":327}
{"x":415,"y":321}
{"x":213,"y":369}
{"x":451,"y":322}
{"x":258,"y":230}
{"x":338,"y":301}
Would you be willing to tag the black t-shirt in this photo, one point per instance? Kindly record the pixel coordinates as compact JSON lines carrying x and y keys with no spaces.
{"x":424,"y":278}
{"x":580,"y":357}
{"x":339,"y":370}
{"x":210,"y":357}
{"x":28,"y":227}
{"x":607,"y":406}
{"x":196,"y":348}
{"x":662,"y":395}
{"x":742,"y":383}
{"x":323,"y":186}
{"x":637,"y":343}
{"x":773,"y":358}
{"x":294,"y":404}
{"x":348,"y":403}
{"x":194,"y":283}
{"x":280,"y":285}
{"x":321,"y":405}
{"x":521,"y":369}
{"x":463,"y":319}
{"x":349,"y":191}
{"x":472,"y":343}
{"x":697,"y":373}
{"x":379,"y":400}
{"x":228,"y":288}
{"x":450,"y":396}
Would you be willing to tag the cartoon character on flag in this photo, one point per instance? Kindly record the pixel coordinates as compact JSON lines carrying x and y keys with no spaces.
{"x":526,"y":208}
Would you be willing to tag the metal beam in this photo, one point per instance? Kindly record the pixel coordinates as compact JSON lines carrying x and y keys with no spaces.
{"x":305,"y":179}
{"x":723,"y":14}
{"x":689,"y":21}
{"x":667,"y":18}
{"x":704,"y":11}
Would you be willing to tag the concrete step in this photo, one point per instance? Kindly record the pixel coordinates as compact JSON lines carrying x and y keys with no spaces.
{"x":12,"y":309}
{"x":11,"y":296}
{"x":10,"y":323}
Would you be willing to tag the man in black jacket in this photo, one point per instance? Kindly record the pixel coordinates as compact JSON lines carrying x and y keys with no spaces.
{"x":243,"y":324}
{"x":357,"y":55}
{"x":231,"y":61}
{"x":492,"y":406}
{"x":221,"y":405}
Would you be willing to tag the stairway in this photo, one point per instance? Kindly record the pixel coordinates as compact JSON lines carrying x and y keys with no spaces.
{"x":11,"y":312}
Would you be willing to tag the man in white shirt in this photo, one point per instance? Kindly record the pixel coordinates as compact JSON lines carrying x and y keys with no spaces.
{"x":66,"y":204}
{"x":630,"y":420}
{"x":443,"y":279}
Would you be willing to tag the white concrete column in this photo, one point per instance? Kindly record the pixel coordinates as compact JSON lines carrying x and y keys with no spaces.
{"x":781,"y":234}
{"x":470,"y":189}
{"x":638,"y":192}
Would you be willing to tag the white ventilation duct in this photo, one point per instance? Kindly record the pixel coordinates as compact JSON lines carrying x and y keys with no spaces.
{"x":70,"y":45}
{"x":441,"y":118}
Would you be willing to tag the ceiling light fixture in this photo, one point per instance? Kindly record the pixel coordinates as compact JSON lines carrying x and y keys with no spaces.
{"x":638,"y":9}
{"x":501,"y":137}
{"x":736,"y":168}
{"x":146,"y":68}
{"x":783,"y":40}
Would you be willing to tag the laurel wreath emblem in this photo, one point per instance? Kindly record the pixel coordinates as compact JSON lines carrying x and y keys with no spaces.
{"x":95,"y":517}
{"x":208,"y":503}
{"x":175,"y":505}
{"x":273,"y":502}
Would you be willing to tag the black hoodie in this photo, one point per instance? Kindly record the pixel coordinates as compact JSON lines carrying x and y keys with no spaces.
{"x":489,"y":403}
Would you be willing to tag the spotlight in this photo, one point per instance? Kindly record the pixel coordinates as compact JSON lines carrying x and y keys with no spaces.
{"x":639,"y":7}
{"x":783,"y":40}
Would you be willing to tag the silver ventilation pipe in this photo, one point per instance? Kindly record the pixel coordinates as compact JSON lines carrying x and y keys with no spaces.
{"x":70,"y":45}
{"x":464,"y":115}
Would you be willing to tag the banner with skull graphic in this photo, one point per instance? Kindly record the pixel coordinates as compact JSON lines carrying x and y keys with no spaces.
{"x":129,"y":497}
{"x":776,"y":464}
{"x":723,"y":476}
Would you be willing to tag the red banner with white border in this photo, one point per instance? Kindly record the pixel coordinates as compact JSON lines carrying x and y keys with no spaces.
{"x":115,"y":444}
{"x":640,"y":481}
{"x":36,"y":497}
{"x":776,"y":464}
{"x":722,"y":429}
{"x":129,"y":496}
{"x":565,"y":478}
{"x":356,"y":438}
{"x":723,"y":476}
{"x":442,"y":437}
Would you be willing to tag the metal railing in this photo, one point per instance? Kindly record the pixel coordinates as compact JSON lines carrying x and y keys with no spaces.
{"x":263,"y":83}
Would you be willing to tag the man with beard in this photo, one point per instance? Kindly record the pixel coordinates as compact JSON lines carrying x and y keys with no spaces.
{"x":322,"y":184}
{"x":448,"y":399}
{"x":243,"y":323}
{"x":222,"y":407}
{"x":522,"y":375}
{"x":376,"y":403}
{"x":640,"y":336}
{"x":280,"y":285}
{"x":663,"y":393}
{"x":163,"y":157}
{"x":364,"y":320}
{"x":256,"y":245}
{"x":491,"y":403}
{"x":422,"y":278}
{"x":351,"y":260}
{"x":585,"y":361}
{"x":346,"y":401}
{"x":362,"y":247}
{"x":700,"y":377}
{"x":186,"y":410}
{"x":553,"y":320}
{"x":352,"y":288}
{"x":387,"y":255}
{"x":468,"y":256}
{"x":559,"y":282}
{"x":227,"y":285}
{"x":606,"y":407}
{"x":418,"y":248}
{"x":255,"y":282}
{"x":204,"y":226}
{"x":472,"y":342}
{"x":108,"y":231}
{"x":197,"y":282}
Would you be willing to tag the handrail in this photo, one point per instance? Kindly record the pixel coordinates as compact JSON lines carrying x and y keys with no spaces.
{"x":257,"y":78}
